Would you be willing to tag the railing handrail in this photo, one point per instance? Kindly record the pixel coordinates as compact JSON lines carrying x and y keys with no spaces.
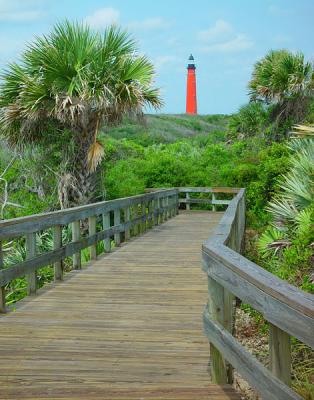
{"x":117,"y":217}
{"x":10,"y":228}
{"x":286,"y":307}
{"x":217,"y":246}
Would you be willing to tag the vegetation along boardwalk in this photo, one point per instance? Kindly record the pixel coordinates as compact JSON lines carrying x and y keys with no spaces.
{"x":129,"y":324}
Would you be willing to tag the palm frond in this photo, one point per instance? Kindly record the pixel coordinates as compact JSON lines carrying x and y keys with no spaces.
{"x":95,"y":155}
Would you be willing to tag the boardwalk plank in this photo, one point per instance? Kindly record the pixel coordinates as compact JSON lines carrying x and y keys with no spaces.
{"x":129,"y":326}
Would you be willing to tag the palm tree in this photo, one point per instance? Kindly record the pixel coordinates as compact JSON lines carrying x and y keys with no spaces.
{"x":284,"y":80}
{"x":68,"y":85}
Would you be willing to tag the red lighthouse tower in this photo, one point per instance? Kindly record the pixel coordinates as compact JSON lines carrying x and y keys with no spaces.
{"x":191,"y":103}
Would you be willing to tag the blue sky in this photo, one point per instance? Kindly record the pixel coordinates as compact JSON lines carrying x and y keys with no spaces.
{"x":225,"y":37}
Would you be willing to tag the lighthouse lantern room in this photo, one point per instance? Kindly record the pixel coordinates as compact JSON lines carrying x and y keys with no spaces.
{"x":191,"y":101}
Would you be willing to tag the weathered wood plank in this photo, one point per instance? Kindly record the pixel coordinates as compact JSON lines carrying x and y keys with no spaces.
{"x":2,"y":288}
{"x":208,"y":190}
{"x":254,"y":372}
{"x":187,"y":200}
{"x":216,"y":311}
{"x":127,"y":217}
{"x":143,"y":213}
{"x":126,"y":327}
{"x":192,"y":200}
{"x":213,"y":202}
{"x":280,"y":354}
{"x":76,"y":235}
{"x":91,"y":231}
{"x":106,"y":225}
{"x":34,"y":223}
{"x":28,"y":266}
{"x":275,"y":311}
{"x":117,"y":235}
{"x":31,"y":277}
{"x":57,"y":244}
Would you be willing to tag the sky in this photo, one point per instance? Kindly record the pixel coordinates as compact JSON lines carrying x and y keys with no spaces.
{"x":226,"y":38}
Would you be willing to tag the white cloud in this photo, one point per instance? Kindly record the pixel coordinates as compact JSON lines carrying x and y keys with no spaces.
{"x":220,"y":30}
{"x":154,"y":23}
{"x":162,"y":61}
{"x":281,"y":39}
{"x":19,"y":11}
{"x":278,"y":11}
{"x":222,"y":37}
{"x":102,"y":17}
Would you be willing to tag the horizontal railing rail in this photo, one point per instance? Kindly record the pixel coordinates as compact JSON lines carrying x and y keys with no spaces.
{"x":289,"y":311}
{"x":213,"y":201}
{"x":119,"y":220}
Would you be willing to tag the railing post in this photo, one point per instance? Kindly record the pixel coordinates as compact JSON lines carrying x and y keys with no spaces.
{"x":30,"y":253}
{"x":162,"y":213}
{"x":213,"y":205}
{"x":174,"y":206}
{"x":135,"y":216}
{"x":143,"y":214}
{"x":187,"y":197}
{"x":106,"y":225}
{"x":171,"y":206}
{"x":177,"y":203}
{"x":127,"y":232}
{"x":154,"y":209}
{"x":166,"y":208}
{"x":117,"y":236}
{"x":150,"y":213}
{"x":91,"y":231}
{"x":57,"y":243}
{"x":280,"y":354}
{"x":76,"y":235}
{"x":2,"y":288}
{"x":216,"y":309}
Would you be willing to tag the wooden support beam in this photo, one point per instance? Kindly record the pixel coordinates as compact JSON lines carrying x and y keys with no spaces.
{"x":2,"y":288}
{"x":154,"y":209}
{"x":117,"y":219}
{"x":76,"y":235}
{"x":174,"y":205}
{"x":280,"y":354}
{"x":216,"y":306}
{"x":135,"y":215}
{"x":30,"y":253}
{"x":92,"y":230}
{"x":127,"y":217}
{"x":187,"y":197}
{"x":143,"y":213}
{"x":57,"y":243}
{"x":150,"y":211}
{"x":106,"y":225}
{"x":213,"y":202}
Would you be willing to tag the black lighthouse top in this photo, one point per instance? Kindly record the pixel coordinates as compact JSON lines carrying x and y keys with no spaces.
{"x":191,"y":64}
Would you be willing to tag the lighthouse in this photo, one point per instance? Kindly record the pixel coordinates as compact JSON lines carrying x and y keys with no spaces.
{"x":191,"y":102}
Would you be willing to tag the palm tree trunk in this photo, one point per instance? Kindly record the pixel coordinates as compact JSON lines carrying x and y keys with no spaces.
{"x":78,"y":185}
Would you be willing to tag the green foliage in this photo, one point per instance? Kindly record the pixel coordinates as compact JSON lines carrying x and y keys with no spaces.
{"x":250,"y":163}
{"x":296,"y":187}
{"x":280,"y":75}
{"x":250,"y":120}
{"x":162,"y":128}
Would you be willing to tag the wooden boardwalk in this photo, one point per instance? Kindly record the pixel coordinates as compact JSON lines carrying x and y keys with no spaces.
{"x":127,"y":327}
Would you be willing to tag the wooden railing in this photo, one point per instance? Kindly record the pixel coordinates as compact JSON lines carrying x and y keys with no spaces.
{"x":117,"y":219}
{"x":203,"y":191}
{"x":202,"y":196}
{"x":288,"y":310}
